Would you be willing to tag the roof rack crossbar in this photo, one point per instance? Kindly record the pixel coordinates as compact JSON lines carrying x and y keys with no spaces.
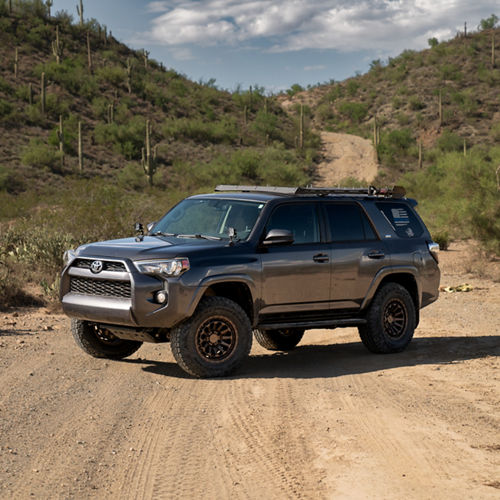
{"x":395,"y":192}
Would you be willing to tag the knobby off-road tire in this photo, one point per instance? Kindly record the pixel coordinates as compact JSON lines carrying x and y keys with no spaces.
{"x":214,"y":341}
{"x":100,"y":343}
{"x":279,"y":340}
{"x":390,"y":319}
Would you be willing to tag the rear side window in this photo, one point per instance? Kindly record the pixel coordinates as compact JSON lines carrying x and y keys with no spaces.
{"x":347,"y":222}
{"x":402,"y":219}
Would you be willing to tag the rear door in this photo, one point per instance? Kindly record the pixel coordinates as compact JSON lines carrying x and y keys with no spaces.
{"x":296,"y":277}
{"x":357,"y":253}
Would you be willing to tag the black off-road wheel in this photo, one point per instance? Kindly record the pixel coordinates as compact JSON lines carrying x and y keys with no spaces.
{"x":391,"y":320}
{"x":101,"y":343}
{"x":214,"y":341}
{"x":279,"y":340}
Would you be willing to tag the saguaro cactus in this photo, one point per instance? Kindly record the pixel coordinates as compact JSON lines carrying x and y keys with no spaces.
{"x":30,"y":93}
{"x":80,"y":148}
{"x":301,"y":127}
{"x":420,"y":154}
{"x":89,"y":53}
{"x":42,"y":92}
{"x":148,"y":160}
{"x":440,"y":108}
{"x":492,"y":49}
{"x":49,"y":4}
{"x":80,"y":12}
{"x":111,"y":112}
{"x":60,"y":137}
{"x":57,"y":47}
{"x":145,"y":55}
{"x":16,"y":62}
{"x":129,"y":75}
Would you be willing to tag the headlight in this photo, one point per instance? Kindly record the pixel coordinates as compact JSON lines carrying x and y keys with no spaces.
{"x":68,"y":256}
{"x":165,"y":268}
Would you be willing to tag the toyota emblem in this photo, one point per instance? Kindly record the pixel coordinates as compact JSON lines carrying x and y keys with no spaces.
{"x":96,"y":266}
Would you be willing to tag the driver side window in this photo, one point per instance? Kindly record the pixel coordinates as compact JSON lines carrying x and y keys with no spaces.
{"x":300,"y":219}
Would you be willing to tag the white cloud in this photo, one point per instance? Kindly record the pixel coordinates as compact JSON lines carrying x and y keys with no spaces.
{"x":291,"y":25}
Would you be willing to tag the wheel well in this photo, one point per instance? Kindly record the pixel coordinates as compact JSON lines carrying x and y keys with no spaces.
{"x":235,"y":291}
{"x":407,"y":281}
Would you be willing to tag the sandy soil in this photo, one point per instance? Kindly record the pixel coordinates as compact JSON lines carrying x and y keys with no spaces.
{"x":328,"y":420}
{"x":343,"y":156}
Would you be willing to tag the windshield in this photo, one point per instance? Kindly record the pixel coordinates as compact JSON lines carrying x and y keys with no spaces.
{"x":210,"y":217}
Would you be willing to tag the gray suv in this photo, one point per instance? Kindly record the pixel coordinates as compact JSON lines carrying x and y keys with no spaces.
{"x":269,"y":260}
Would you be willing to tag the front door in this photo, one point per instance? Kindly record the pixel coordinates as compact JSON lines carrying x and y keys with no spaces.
{"x":296,"y":277}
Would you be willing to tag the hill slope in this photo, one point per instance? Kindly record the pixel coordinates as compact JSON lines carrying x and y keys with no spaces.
{"x":90,"y":77}
{"x":403,"y":96}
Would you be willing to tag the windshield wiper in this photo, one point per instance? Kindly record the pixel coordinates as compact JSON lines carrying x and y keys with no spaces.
{"x":199,"y":236}
{"x":160,"y":233}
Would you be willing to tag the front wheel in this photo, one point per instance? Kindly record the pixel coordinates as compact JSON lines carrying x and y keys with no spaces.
{"x":101,"y":343}
{"x":391,"y":320}
{"x":279,"y":340}
{"x":214,"y":341}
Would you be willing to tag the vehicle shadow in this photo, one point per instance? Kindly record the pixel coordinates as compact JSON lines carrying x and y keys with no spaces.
{"x":327,"y":361}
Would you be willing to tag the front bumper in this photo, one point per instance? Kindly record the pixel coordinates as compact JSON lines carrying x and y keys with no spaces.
{"x":124,"y":297}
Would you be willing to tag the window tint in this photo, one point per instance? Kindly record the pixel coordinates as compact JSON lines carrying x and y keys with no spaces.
{"x":402,"y":219}
{"x":300,"y":219}
{"x":347,"y":222}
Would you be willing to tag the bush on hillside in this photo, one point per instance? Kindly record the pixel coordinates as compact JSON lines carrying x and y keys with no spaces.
{"x":354,"y":111}
{"x":39,"y":155}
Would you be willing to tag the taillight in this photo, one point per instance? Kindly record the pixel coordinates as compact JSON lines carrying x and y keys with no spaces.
{"x":434,"y":250}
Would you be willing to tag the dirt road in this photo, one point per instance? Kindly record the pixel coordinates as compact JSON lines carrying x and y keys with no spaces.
{"x":328,"y":420}
{"x":345,"y":156}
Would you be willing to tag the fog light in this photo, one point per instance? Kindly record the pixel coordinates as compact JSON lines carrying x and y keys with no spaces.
{"x":161,"y":297}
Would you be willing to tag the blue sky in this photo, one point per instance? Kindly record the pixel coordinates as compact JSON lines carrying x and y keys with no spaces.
{"x":276,"y":43}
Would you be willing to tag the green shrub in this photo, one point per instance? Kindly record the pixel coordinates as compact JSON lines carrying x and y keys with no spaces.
{"x":127,"y":139}
{"x":294,"y":89}
{"x":114,"y":75}
{"x":223,"y":131}
{"x":450,"y":142}
{"x":443,"y":239}
{"x":416,"y":104}
{"x":39,"y":155}
{"x":352,"y":87}
{"x":5,"y":108}
{"x":354,"y":111}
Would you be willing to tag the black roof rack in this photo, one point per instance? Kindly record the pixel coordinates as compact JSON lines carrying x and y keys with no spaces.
{"x":395,"y":192}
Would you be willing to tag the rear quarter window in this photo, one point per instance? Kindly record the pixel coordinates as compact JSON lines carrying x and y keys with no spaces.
{"x":402,"y":219}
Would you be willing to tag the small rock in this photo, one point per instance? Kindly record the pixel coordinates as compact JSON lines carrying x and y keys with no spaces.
{"x":48,"y":328}
{"x":15,"y":315}
{"x":20,"y":341}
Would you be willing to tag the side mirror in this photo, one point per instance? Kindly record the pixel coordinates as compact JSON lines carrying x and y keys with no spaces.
{"x":278,"y":237}
{"x":150,"y":226}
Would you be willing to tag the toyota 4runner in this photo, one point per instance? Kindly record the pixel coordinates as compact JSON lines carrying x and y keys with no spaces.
{"x":275,"y":261}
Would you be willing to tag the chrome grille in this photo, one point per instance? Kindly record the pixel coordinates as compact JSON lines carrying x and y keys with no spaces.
{"x":107,"y":265}
{"x":104,"y":288}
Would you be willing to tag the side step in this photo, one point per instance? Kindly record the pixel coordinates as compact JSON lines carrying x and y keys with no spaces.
{"x":309,"y":325}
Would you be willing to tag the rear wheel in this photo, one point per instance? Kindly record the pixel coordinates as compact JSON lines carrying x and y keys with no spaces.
{"x":279,"y":340}
{"x":214,"y":341}
{"x":391,"y":320}
{"x":101,"y":343}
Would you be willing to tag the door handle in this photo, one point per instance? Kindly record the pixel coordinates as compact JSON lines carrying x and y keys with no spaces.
{"x":321,"y":257}
{"x":376,"y":254}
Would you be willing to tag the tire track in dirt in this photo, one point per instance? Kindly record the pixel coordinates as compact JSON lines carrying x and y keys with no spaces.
{"x":176,"y":452}
{"x":275,"y":448}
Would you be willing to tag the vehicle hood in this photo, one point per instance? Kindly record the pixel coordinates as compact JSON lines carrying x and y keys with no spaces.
{"x":151,"y":247}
